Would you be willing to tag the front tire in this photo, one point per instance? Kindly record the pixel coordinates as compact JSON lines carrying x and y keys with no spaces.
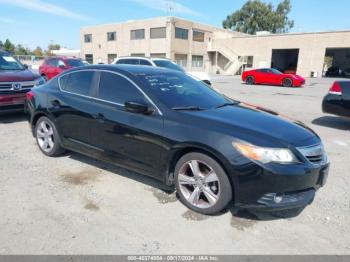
{"x":287,"y":82}
{"x":47,"y":137}
{"x":202,"y":184}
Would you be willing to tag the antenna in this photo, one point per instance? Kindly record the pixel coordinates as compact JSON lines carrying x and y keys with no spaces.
{"x":170,"y":7}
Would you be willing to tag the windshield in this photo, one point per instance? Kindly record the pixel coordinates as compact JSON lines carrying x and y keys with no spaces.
{"x":74,"y":62}
{"x":177,"y":90}
{"x":168,"y":64}
{"x":275,"y":71}
{"x":10,"y":63}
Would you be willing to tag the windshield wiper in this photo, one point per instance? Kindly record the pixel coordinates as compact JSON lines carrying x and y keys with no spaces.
{"x":187,"y":108}
{"x":228,"y":104}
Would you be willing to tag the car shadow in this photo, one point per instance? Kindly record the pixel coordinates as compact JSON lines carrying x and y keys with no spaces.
{"x":333,"y":122}
{"x":169,"y":193}
{"x":12,"y":118}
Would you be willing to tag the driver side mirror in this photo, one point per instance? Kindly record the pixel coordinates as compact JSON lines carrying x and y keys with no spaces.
{"x":138,"y":107}
{"x":25,"y":66}
{"x":62,"y":66}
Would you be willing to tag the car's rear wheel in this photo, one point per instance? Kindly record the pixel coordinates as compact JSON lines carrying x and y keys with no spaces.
{"x":202,"y":184}
{"x":287,"y":82}
{"x":250,"y":80}
{"x":47,"y":137}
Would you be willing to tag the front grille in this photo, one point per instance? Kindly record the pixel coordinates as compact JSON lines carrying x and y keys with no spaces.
{"x":314,"y":154}
{"x":8,"y":86}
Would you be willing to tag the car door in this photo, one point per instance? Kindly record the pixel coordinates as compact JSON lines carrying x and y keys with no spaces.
{"x":73,"y":108}
{"x":133,"y":140}
{"x":51,"y":67}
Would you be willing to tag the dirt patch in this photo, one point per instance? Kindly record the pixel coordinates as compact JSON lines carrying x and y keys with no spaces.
{"x":242,"y":224}
{"x":163,"y":197}
{"x":91,"y":206}
{"x":191,"y":215}
{"x":82,"y":177}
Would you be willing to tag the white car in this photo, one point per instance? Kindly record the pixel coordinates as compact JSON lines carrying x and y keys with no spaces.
{"x":161,"y":62}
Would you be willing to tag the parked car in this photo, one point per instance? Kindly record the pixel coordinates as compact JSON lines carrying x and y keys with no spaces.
{"x":165,"y":124}
{"x":346,"y":73}
{"x":337,"y":101}
{"x":272,"y":76}
{"x":334,"y":71}
{"x":161,"y":62}
{"x":53,"y":66}
{"x":15,"y":81}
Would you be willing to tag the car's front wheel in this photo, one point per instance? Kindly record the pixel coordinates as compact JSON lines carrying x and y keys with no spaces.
{"x":202,"y":184}
{"x":47,"y":137}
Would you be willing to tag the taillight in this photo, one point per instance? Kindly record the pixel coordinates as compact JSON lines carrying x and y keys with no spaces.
{"x":335,"y":89}
{"x":29,"y":95}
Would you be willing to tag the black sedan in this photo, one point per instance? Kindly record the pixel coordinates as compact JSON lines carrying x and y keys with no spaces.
{"x":164,"y":124}
{"x":337,"y":101}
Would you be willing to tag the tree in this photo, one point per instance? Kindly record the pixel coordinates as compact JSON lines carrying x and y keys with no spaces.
{"x":38,"y":51}
{"x":1,"y":45}
{"x":9,"y":47}
{"x":20,"y":50}
{"x":52,"y":47}
{"x":256,"y":16}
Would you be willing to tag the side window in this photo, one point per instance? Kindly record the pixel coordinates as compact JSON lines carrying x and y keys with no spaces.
{"x":145,"y":62}
{"x":128,"y":61}
{"x":117,"y":89}
{"x":78,"y":82}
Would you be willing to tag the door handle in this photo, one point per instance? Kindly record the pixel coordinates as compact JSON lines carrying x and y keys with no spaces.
{"x":99,"y":117}
{"x":55,"y":103}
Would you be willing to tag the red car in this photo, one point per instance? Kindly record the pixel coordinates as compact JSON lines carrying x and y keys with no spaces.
{"x":15,"y":82}
{"x":272,"y":76}
{"x":53,"y":66}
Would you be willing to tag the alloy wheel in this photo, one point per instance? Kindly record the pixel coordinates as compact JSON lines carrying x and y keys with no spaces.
{"x":45,"y":136}
{"x":199,"y":184}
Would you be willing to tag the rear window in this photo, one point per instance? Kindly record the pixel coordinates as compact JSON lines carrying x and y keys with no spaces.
{"x":128,"y":61}
{"x":77,"y":82}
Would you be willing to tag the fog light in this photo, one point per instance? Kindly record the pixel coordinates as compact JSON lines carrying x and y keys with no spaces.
{"x":278,"y":198}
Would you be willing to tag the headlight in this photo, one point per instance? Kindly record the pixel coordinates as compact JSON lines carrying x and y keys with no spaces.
{"x":39,"y":81}
{"x":264,"y":154}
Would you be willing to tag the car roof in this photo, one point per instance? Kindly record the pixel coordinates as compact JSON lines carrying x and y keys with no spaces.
{"x":134,"y":57}
{"x":2,"y":52}
{"x":128,"y":69}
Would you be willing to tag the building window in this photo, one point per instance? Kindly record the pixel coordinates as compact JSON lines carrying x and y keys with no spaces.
{"x":111,"y":57}
{"x":250,"y":60}
{"x":198,"y":36}
{"x":137,"y":34}
{"x":89,"y":58}
{"x":111,"y":36}
{"x":138,"y":54}
{"x":181,"y":60}
{"x":181,"y":33}
{"x":158,"y":55}
{"x":197,"y":61}
{"x":159,"y":32}
{"x":88,"y":38}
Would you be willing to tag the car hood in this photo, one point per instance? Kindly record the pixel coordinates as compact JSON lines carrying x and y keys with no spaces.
{"x":17,"y":76}
{"x":258,"y":125}
{"x":295,"y":76}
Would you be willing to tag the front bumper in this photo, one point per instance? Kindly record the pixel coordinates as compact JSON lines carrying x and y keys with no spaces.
{"x":12,"y":102}
{"x":279,"y":187}
{"x":333,"y":104}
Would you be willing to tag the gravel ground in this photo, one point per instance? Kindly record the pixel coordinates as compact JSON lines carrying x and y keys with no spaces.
{"x":75,"y":205}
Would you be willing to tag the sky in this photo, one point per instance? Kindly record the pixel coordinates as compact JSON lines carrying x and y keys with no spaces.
{"x":41,"y":22}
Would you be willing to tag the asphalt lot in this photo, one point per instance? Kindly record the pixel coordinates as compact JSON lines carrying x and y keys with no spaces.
{"x":75,"y":205}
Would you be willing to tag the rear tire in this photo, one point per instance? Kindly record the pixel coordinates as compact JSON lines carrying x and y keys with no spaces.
{"x":287,"y":82}
{"x":47,"y":137}
{"x":250,"y":80}
{"x":202,"y":184}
